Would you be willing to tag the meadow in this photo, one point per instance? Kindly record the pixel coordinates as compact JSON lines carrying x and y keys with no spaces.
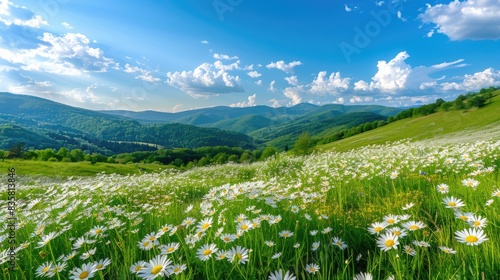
{"x":405,"y":210}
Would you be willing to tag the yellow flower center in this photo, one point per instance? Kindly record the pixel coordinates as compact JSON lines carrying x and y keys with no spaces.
{"x":471,"y":239}
{"x":145,"y":243}
{"x":177,"y":269}
{"x":413,"y":227}
{"x":137,"y":268}
{"x":339,"y":244}
{"x":98,"y":231}
{"x":99,"y":266}
{"x":391,"y":221}
{"x":312,"y":269}
{"x":227,"y":239}
{"x":239,"y":256}
{"x":45,"y":269}
{"x":170,"y":249}
{"x":477,"y":223}
{"x":285,"y":234}
{"x":377,"y":229}
{"x":205,"y":226}
{"x":389,"y":243}
{"x":244,"y":227}
{"x":165,"y":229}
{"x":152,"y":238}
{"x":397,"y":233}
{"x":83,"y":275}
{"x":464,"y":218}
{"x":446,"y":251}
{"x":156,"y":269}
{"x":452,"y":204}
{"x":207,"y":252}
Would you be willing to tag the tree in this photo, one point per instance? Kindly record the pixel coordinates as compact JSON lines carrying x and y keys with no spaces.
{"x":303,"y":145}
{"x":17,"y":150}
{"x":268,"y":152}
{"x":2,"y":154}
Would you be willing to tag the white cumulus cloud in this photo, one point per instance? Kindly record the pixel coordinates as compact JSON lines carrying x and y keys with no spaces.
{"x":329,"y":86}
{"x":249,"y":103}
{"x":461,"y":20}
{"x":254,"y":74}
{"x":488,"y":77}
{"x":292,"y":80}
{"x":286,"y":67}
{"x":224,"y":56}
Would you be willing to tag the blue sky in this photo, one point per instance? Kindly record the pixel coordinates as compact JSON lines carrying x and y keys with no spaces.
{"x":184,"y":54}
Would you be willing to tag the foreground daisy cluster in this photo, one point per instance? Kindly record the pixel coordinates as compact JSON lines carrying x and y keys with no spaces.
{"x":399,"y":211}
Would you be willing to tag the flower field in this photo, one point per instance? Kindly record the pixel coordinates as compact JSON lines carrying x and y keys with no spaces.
{"x":399,"y":211}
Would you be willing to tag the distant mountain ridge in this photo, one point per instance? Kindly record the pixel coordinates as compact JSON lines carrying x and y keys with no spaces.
{"x":73,"y":127}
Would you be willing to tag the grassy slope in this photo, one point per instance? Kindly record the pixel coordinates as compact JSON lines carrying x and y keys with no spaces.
{"x":66,"y":169}
{"x":439,"y":125}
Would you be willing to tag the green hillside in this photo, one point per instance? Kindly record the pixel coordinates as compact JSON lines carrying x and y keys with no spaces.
{"x":472,"y":123}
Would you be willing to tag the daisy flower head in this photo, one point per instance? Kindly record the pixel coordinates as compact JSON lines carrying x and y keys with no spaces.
{"x":391,"y":219}
{"x":159,"y":266}
{"x":295,"y":209}
{"x":245,"y":225}
{"x":496,"y":193}
{"x":363,"y":276}
{"x":409,"y":250}
{"x":462,"y":216}
{"x":313,"y":232}
{"x":447,"y":250}
{"x":477,"y":221}
{"x":471,"y":237}
{"x":85,"y":272}
{"x":326,"y":230}
{"x":312,"y":268}
{"x":238,"y":255}
{"x":315,"y":245}
{"x":277,"y":255}
{"x":443,"y":188}
{"x":278,"y":275}
{"x":44,"y":269}
{"x":470,"y":183}
{"x":101,"y":264}
{"x":97,"y":231}
{"x":46,"y":239}
{"x":413,"y":225}
{"x":452,"y":202}
{"x":269,"y":243}
{"x":187,"y":222}
{"x":339,"y":243}
{"x":399,"y":232}
{"x":170,"y":248}
{"x":206,"y":251}
{"x":421,"y":243}
{"x":489,"y":202}
{"x":408,"y":206}
{"x":387,"y":241}
{"x":178,"y":268}
{"x":204,"y":224}
{"x":377,"y":227}
{"x":286,"y":233}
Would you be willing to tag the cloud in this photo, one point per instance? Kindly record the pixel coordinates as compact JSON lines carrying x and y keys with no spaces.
{"x":488,"y":77}
{"x":249,"y":103}
{"x":391,"y":76}
{"x":292,"y":80}
{"x":462,"y":20}
{"x":379,"y":3}
{"x":271,"y":86}
{"x":207,"y":79}
{"x":254,"y":74}
{"x":281,"y":65}
{"x":332,"y":86}
{"x":340,"y":100}
{"x":67,"y":25}
{"x":224,"y":57}
{"x":259,"y":82}
{"x":11,"y":14}
{"x":68,"y":55}
{"x":275,"y":103}
{"x":347,"y":9}
{"x":144,"y":75}
{"x":294,"y":94}
{"x":204,"y":42}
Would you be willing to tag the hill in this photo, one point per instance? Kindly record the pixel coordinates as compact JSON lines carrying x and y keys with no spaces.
{"x":453,"y":125}
{"x":24,"y":118}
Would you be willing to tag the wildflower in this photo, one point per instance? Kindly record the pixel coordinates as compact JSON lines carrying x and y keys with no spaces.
{"x":178,"y":268}
{"x":286,"y":233}
{"x":269,"y":243}
{"x":244,"y":225}
{"x":294,"y":209}
{"x":296,"y":245}
{"x":88,"y":254}
{"x":138,"y":266}
{"x":240,"y":218}
{"x":46,"y":239}
{"x":85,"y":272}
{"x":442,"y":188}
{"x":477,"y":221}
{"x":57,"y":268}
{"x":489,"y":202}
{"x":408,"y":206}
{"x":277,"y":255}
{"x":278,"y":275}
{"x":169,"y":248}
{"x":204,"y":224}
{"x":101,"y":264}
{"x":312,"y":268}
{"x":238,"y":254}
{"x":187,"y":222}
{"x":399,"y":232}
{"x":452,"y":202}
{"x":387,"y":241}
{"x":421,"y":243}
{"x":471,"y":236}
{"x":462,"y":216}
{"x":447,"y":250}
{"x":315,"y":246}
{"x":470,"y":183}
{"x":189,"y":208}
{"x":377,"y":227}
{"x":44,"y":269}
{"x":412,"y":225}
{"x":206,"y":251}
{"x":308,"y":217}
{"x":221,"y":255}
{"x":363,"y":276}
{"x":159,"y":266}
{"x":409,"y":250}
{"x":97,"y":231}
{"x":391,"y":219}
{"x":496,"y":193}
{"x":394,"y":175}
{"x":164,"y":229}
{"x":326,"y":230}
{"x":339,"y":243}
{"x":313,"y":232}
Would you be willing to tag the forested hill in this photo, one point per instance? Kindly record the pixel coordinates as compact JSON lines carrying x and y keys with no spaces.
{"x":26,"y":118}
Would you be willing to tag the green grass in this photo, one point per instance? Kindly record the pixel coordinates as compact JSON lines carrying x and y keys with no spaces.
{"x":438,"y":125}
{"x":66,"y":169}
